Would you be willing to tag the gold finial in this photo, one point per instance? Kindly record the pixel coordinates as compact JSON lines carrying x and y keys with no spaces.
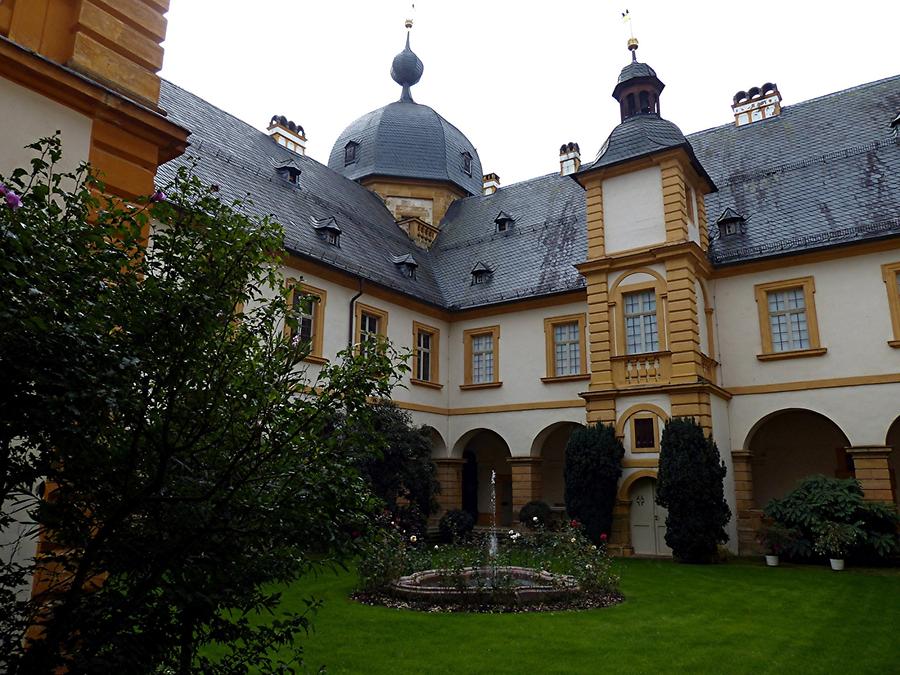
{"x":632,"y":41}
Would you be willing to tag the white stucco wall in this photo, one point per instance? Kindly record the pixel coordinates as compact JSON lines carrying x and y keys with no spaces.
{"x":27,"y":117}
{"x":633,"y":210}
{"x":853,"y":317}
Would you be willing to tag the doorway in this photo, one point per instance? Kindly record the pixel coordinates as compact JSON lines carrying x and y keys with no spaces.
{"x":648,"y":520}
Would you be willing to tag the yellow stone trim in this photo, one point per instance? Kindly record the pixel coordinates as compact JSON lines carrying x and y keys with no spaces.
{"x":830,"y":383}
{"x":625,"y":488}
{"x":318,"y":317}
{"x":550,"y":346}
{"x":468,"y":335}
{"x":890,"y":272}
{"x":503,"y":408}
{"x":807,"y":284}
{"x":434,"y":380}
{"x":381,"y":314}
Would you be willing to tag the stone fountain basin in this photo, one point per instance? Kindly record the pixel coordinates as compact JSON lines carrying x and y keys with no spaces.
{"x":521,"y":585}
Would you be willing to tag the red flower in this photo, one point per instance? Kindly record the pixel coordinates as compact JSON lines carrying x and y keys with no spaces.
{"x":603,"y":537}
{"x":573,"y":523}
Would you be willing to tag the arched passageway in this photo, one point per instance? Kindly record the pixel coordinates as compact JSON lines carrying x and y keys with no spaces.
{"x":790,"y":445}
{"x":550,"y":446}
{"x":485,"y":452}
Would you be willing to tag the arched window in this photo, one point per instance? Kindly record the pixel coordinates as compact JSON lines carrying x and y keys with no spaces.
{"x":645,"y":103}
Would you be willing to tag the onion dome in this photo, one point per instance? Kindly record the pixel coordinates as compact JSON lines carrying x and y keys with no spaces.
{"x":406,"y":70}
{"x":406,"y":139}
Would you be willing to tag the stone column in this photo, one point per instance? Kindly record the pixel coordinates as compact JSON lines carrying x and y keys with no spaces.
{"x":871,"y":467}
{"x":526,"y":482}
{"x":748,"y":517}
{"x":449,"y":475}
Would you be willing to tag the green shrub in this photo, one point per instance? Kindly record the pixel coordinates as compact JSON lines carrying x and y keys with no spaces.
{"x":593,"y":467}
{"x":535,"y":514}
{"x":776,"y":538}
{"x":818,"y":501}
{"x":456,"y":525}
{"x":691,"y":487}
{"x":835,"y":539}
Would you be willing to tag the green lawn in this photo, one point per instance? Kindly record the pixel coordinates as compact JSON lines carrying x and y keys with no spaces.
{"x":741,"y":617}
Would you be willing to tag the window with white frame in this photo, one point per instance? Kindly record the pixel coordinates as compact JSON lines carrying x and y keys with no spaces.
{"x":369,"y":327}
{"x":641,"y":330}
{"x":566,"y":349}
{"x":787,"y":320}
{"x":482,"y":358}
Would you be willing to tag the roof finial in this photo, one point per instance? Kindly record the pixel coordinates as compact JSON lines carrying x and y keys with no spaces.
{"x":407,"y":68}
{"x":632,"y":41}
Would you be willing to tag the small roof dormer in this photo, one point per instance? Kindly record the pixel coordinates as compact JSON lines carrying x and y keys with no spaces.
{"x":481,"y":273}
{"x":731,"y":222}
{"x":504,"y":221}
{"x":327,"y":229}
{"x":289,"y":170}
{"x":406,"y":264}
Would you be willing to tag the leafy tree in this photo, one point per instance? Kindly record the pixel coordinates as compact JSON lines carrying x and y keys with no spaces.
{"x":402,"y":473}
{"x":592,"y":470}
{"x":690,"y":486}
{"x":190,"y":460}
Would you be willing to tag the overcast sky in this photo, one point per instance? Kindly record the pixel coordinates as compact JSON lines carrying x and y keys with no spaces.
{"x":518,"y":78}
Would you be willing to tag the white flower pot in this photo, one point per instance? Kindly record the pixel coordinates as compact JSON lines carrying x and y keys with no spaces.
{"x":836,"y":564}
{"x":772,"y":560}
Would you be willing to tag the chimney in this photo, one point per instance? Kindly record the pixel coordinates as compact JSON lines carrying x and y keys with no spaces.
{"x":490,"y":183}
{"x":288,"y":134}
{"x":569,"y":158}
{"x":757,"y":104}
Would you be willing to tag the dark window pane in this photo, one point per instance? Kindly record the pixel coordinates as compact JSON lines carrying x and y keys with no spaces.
{"x":643,"y":433}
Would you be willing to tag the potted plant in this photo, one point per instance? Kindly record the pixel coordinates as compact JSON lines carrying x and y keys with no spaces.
{"x":774,"y":539}
{"x":834,"y":540}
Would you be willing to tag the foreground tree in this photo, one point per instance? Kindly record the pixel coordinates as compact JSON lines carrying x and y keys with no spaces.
{"x":188,"y":463}
{"x":402,"y":474}
{"x":691,"y":487}
{"x":592,"y":470}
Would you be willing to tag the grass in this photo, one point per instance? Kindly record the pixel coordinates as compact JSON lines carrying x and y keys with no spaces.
{"x":741,"y":617}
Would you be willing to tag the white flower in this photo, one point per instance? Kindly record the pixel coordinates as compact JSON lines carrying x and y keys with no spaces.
{"x":594,"y":547}
{"x":534,"y":518}
{"x":435,"y":547}
{"x":512,"y":532}
{"x":572,"y":540}
{"x":589,"y":566}
{"x":413,"y":539}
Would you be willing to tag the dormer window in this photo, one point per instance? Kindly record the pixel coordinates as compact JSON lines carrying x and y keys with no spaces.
{"x":481,"y":274}
{"x":731,"y":222}
{"x":350,"y":152}
{"x":327,"y":229}
{"x":406,"y":264}
{"x":467,"y":163}
{"x":290,"y":172}
{"x":504,"y":221}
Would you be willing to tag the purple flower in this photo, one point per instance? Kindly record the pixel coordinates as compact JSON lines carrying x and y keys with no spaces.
{"x":13,"y":200}
{"x":158,"y":196}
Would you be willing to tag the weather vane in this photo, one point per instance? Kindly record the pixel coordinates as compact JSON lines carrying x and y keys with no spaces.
{"x":412,"y":13}
{"x":632,"y":41}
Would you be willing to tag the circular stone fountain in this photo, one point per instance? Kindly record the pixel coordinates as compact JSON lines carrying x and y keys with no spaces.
{"x":500,"y":586}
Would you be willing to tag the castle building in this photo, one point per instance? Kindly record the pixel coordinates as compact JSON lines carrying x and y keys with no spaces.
{"x":747,"y":275}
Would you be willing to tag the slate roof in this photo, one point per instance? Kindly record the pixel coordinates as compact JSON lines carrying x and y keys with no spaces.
{"x":825,"y":172}
{"x":533,"y":257}
{"x":635,"y":69}
{"x":639,"y":136}
{"x":410,"y":140}
{"x":242,"y":160}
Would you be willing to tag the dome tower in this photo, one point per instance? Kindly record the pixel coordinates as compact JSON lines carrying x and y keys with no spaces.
{"x":409,"y":155}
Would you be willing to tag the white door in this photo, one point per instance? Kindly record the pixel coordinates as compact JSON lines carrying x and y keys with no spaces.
{"x":648,"y":520}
